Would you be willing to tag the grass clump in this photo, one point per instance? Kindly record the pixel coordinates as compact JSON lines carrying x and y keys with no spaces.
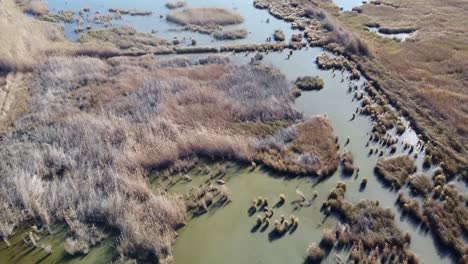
{"x":205,"y":16}
{"x":125,"y":38}
{"x":347,"y":161}
{"x":309,"y":83}
{"x":306,"y":148}
{"x":421,"y":184}
{"x":368,"y":223}
{"x":395,"y":170}
{"x":314,"y":253}
{"x":175,"y":4}
{"x":231,"y":34}
{"x":278,"y":35}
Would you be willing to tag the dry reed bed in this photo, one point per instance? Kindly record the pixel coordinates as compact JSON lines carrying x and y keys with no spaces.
{"x":205,"y":16}
{"x":307,"y":148}
{"x":368,"y":230}
{"x":96,"y":127}
{"x":395,"y":170}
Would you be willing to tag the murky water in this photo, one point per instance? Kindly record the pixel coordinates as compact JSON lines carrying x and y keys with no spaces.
{"x":226,"y":234}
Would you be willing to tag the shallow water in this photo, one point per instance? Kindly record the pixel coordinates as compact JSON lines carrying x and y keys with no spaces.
{"x":347,"y":5}
{"x":398,"y":36}
{"x":255,"y":21}
{"x":215,"y":240}
{"x":225,"y":235}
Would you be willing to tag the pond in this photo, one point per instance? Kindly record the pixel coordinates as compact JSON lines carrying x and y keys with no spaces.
{"x":397,"y":36}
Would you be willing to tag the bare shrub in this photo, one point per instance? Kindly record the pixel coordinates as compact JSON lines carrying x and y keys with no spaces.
{"x":205,"y":16}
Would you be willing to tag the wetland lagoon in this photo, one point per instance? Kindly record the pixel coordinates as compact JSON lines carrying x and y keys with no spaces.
{"x":225,"y":173}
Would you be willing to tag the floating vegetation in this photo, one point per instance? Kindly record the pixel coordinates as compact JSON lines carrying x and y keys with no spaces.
{"x":309,"y":83}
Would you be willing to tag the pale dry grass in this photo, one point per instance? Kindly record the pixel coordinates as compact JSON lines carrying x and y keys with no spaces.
{"x":205,"y":16}
{"x":97,"y":127}
{"x":24,"y":40}
{"x":37,"y":8}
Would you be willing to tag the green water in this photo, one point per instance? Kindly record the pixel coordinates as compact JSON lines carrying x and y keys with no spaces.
{"x":224,"y":236}
{"x":21,"y":252}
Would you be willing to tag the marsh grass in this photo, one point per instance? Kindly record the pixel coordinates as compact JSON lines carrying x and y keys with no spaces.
{"x":231,"y":34}
{"x":395,"y":170}
{"x":308,"y":83}
{"x":307,"y":147}
{"x":96,"y":128}
{"x":205,"y":16}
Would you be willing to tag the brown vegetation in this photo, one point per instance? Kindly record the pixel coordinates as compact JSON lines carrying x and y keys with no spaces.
{"x":314,"y":253}
{"x":308,"y":83}
{"x":306,"y":148}
{"x":175,"y":4}
{"x":93,"y":121}
{"x":124,"y":38}
{"x":205,"y":16}
{"x":231,"y":34}
{"x":37,"y":8}
{"x":423,"y":76}
{"x":366,"y":226}
{"x":395,"y":170}
{"x":347,"y":161}
{"x":421,"y":184}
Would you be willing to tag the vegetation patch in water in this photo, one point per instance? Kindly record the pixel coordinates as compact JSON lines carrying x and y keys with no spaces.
{"x":124,"y":38}
{"x":369,"y":228}
{"x":306,"y":148}
{"x":309,"y":83}
{"x":395,"y":170}
{"x":231,"y":34}
{"x":205,"y":16}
